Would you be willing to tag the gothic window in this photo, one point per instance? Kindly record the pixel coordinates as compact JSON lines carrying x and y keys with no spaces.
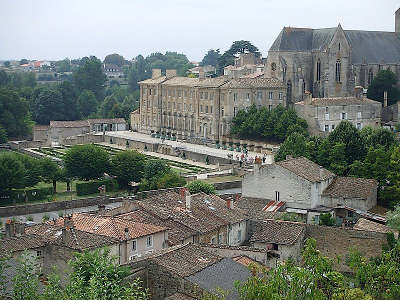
{"x":289,"y":91}
{"x":370,"y":76}
{"x":339,"y":46}
{"x":319,"y":70}
{"x":304,"y":86}
{"x":273,"y":66}
{"x":338,"y":70}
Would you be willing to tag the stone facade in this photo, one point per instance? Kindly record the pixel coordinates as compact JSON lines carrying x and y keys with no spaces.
{"x":331,"y":62}
{"x":323,"y":115}
{"x":200,"y":108}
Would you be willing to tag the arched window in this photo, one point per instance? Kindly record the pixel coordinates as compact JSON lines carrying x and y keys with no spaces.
{"x":319,"y":70}
{"x":289,"y":91}
{"x":304,"y":86}
{"x":338,"y":70}
{"x":273,"y":66}
{"x":370,"y":76}
{"x":339,"y":46}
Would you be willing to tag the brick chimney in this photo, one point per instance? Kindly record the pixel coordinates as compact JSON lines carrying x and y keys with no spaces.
{"x":385,"y":100}
{"x":397,"y":21}
{"x":170,"y":73}
{"x":155,"y":73}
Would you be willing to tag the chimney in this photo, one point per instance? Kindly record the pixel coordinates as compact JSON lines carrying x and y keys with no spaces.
{"x":385,"y":101}
{"x":126,"y":233}
{"x":236,"y":198}
{"x":359,"y":91}
{"x":188,"y":199}
{"x":155,"y":73}
{"x":170,"y":73}
{"x":68,"y":222}
{"x":397,"y":21}
{"x":321,"y":171}
{"x":202,"y":74}
{"x":228,"y":203}
{"x":10,"y":228}
{"x":307,"y":98}
{"x":64,"y":235}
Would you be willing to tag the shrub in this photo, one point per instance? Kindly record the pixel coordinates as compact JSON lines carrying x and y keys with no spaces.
{"x":18,"y":195}
{"x":201,"y":186}
{"x":60,"y":214}
{"x":45,"y":218}
{"x":30,"y":218}
{"x":92,"y":187}
{"x":326,"y":219}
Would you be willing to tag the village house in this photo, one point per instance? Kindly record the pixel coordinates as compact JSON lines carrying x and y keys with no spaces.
{"x":301,"y":186}
{"x":112,"y":70}
{"x":323,"y":115}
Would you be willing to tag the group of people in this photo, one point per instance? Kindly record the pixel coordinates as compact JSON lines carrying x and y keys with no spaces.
{"x":245,"y":158}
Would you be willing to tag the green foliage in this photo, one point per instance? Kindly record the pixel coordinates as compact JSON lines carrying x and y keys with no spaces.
{"x":128,"y":166}
{"x":70,"y":98}
{"x":261,"y":123}
{"x":385,"y":80}
{"x":119,"y":103}
{"x":24,"y":195}
{"x":86,"y":103}
{"x":155,"y":168}
{"x":237,"y":47}
{"x":26,"y":282}
{"x":89,"y":76}
{"x":393,"y":218}
{"x":47,"y":105}
{"x":11,"y":170}
{"x":86,"y":161}
{"x":211,"y":58}
{"x":326,"y":219}
{"x":115,"y":59}
{"x":14,"y":113}
{"x":7,"y":64}
{"x":158,"y":175}
{"x":63,"y":65}
{"x":198,"y":186}
{"x":92,"y":187}
{"x":294,"y":145}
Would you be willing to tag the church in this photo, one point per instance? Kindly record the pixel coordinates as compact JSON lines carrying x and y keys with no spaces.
{"x":331,"y":62}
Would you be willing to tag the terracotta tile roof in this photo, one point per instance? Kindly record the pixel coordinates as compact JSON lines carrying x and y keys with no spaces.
{"x":179,"y":296}
{"x":181,"y":81}
{"x":108,"y":121}
{"x":245,"y":260}
{"x":339,"y":101}
{"x":153,"y":80}
{"x":213,"y":82}
{"x":49,"y":232}
{"x":258,"y":82}
{"x":69,"y":124}
{"x":305,"y":168}
{"x":21,"y":243}
{"x":277,"y":232}
{"x":41,"y":127}
{"x":111,"y":226}
{"x":364,"y":224}
{"x":185,"y":260}
{"x":351,"y":187}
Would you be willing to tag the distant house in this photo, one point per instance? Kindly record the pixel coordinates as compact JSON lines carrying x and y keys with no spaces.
{"x":301,"y":186}
{"x":112,"y":70}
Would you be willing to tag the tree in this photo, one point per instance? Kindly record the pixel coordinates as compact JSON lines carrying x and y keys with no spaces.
{"x":48,"y":105}
{"x":11,"y":170}
{"x":33,"y":170}
{"x":86,"y":161}
{"x":211,"y":58}
{"x":198,"y":186}
{"x":377,"y":136}
{"x":51,"y":172}
{"x":63,"y":65}
{"x":237,"y":47}
{"x":4,"y":78}
{"x":86,"y":103}
{"x":294,"y":145}
{"x":393,"y":218}
{"x":155,"y":168}
{"x":69,"y":97}
{"x":90,"y":76}
{"x":115,"y":59}
{"x":23,"y":61}
{"x":14,"y":114}
{"x":385,"y":80}
{"x":3,"y":135}
{"x":26,"y":282}
{"x":326,"y":219}
{"x":7,"y":64}
{"x":128,"y":166}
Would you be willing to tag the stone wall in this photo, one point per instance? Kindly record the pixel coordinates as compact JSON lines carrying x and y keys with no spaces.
{"x":84,"y":139}
{"x":28,"y":209}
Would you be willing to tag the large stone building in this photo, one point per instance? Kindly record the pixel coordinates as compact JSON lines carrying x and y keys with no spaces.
{"x":200,"y":108}
{"x":324,"y":114}
{"x":331,"y":62}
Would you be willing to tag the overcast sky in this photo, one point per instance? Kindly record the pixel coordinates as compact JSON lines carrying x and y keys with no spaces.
{"x":55,"y":29}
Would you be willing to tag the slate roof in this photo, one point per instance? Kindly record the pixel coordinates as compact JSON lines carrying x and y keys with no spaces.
{"x":366,"y":46}
{"x":351,"y":187}
{"x":305,"y":168}
{"x":259,"y":82}
{"x":185,"y":260}
{"x":222,"y":275}
{"x":21,"y":243}
{"x":338,"y":101}
{"x":277,"y":232}
{"x":110,"y":226}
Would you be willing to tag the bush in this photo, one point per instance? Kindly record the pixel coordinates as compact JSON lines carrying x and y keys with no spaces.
{"x":201,"y":186}
{"x":30,"y":218}
{"x":45,"y":217}
{"x":18,"y":195}
{"x":92,"y":187}
{"x":326,"y":219}
{"x":168,"y":180}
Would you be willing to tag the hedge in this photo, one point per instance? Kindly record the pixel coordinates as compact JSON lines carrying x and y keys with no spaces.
{"x":18,"y":195}
{"x":92,"y":187}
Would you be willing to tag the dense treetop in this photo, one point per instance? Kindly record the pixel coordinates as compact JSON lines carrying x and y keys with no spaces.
{"x":385,"y":80}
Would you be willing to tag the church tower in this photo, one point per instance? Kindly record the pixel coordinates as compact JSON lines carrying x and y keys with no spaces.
{"x":397,"y":21}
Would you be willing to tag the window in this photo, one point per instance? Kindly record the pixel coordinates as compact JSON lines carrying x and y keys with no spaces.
{"x":150,"y":91}
{"x":274,"y":246}
{"x":222,"y":97}
{"x":179,"y":93}
{"x":211,"y":95}
{"x":220,"y":238}
{"x":270,"y":95}
{"x":39,"y":253}
{"x":273,"y":66}
{"x":134,"y":245}
{"x":185,"y":93}
{"x":259,"y":95}
{"x":206,"y":95}
{"x":239,"y":235}
{"x":343,"y":116}
{"x":206,"y":109}
{"x":358,"y":126}
{"x":235,"y":96}
{"x":270,"y":107}
{"x":248,"y":96}
{"x":326,"y":116}
{"x":276,"y":196}
{"x":222,"y":111}
{"x":211,"y":108}
{"x":333,"y":127}
{"x":280,"y":95}
{"x":201,"y":108}
{"x":338,"y":70}
{"x":304,"y":86}
{"x":319,"y":70}
{"x":370,"y":76}
{"x":289,"y":90}
{"x":359,"y":115}
{"x":234,"y":111}
{"x":339,"y":47}
{"x":149,"y":241}
{"x":201,"y":95}
{"x":190,"y":107}
{"x":326,"y":129}
{"x":213,"y":240}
